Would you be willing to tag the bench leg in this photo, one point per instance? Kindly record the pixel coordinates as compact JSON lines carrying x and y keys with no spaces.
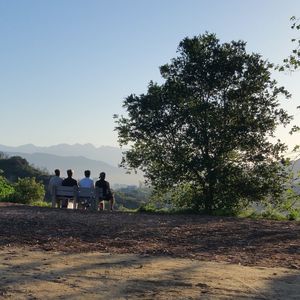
{"x":74,"y":203}
{"x":111,"y":203}
{"x":94,"y":204}
{"x":64,"y":203}
{"x":102,"y":205}
{"x":53,"y":201}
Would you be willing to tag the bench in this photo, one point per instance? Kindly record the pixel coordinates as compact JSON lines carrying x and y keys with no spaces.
{"x":75,"y":193}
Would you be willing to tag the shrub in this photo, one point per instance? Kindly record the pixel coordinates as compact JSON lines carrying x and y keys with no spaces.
{"x":27,"y":191}
{"x":6,"y":189}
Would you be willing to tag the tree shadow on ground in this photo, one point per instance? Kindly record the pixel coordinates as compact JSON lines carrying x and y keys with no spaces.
{"x":283,"y":287}
{"x":47,"y":275}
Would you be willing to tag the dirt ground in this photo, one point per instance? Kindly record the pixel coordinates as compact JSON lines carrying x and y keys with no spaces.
{"x":64,"y":254}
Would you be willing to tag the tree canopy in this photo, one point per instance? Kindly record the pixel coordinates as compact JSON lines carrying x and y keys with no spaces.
{"x":292,"y":62}
{"x":208,"y":125}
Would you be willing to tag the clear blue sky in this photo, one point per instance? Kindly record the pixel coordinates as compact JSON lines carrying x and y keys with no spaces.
{"x":67,"y":65}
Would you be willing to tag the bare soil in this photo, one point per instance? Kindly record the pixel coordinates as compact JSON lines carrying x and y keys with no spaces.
{"x":65,"y":254}
{"x":223,"y":239}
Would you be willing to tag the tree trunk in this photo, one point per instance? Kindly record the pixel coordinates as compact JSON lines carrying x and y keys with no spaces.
{"x":210,"y":182}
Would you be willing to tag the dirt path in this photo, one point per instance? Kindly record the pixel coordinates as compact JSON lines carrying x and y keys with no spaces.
{"x":60,"y":254}
{"x":29,"y":274}
{"x":221,"y":239}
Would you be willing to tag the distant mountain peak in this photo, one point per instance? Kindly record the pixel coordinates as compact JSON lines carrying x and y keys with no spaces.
{"x":109,"y":154}
{"x":90,"y":145}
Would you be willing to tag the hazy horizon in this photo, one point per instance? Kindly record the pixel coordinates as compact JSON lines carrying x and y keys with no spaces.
{"x":69,"y":144}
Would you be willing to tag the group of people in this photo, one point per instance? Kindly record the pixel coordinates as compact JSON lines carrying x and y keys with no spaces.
{"x":85,"y":182}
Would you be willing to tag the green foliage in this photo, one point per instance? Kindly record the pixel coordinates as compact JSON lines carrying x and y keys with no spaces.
{"x":20,"y":183}
{"x":203,"y":135}
{"x":41,"y":203}
{"x":149,"y":208}
{"x":266,"y":214}
{"x":294,"y":215}
{"x":180,"y":197}
{"x":17,"y":167}
{"x":152,"y":208}
{"x":290,"y":204}
{"x":6,"y":189}
{"x":28,"y":191}
{"x":292,"y":62}
{"x":132,"y":197}
{"x":273,"y":215}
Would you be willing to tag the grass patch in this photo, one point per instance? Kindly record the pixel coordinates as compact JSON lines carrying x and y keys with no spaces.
{"x":293,"y":215}
{"x":40,"y":204}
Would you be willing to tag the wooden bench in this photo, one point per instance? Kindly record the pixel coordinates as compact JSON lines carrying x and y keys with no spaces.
{"x":75,"y":193}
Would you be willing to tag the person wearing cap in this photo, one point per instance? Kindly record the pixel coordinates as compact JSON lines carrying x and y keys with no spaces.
{"x":106,"y":191}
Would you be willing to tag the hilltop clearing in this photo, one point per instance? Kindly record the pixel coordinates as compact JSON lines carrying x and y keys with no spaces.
{"x":220,"y":239}
{"x":50,"y":253}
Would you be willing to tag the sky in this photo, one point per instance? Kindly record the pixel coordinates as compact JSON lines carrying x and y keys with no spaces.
{"x":66,"y":66}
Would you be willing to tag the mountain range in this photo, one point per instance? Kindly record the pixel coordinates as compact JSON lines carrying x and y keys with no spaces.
{"x":108,"y":154}
{"x":82,"y":157}
{"x":79,"y":158}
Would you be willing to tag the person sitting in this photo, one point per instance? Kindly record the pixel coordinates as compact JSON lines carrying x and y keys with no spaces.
{"x":69,"y":181}
{"x":106,"y":191}
{"x":85,"y":182}
{"x":55,"y":180}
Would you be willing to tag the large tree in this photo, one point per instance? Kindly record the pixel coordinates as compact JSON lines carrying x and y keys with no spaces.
{"x":208,"y":125}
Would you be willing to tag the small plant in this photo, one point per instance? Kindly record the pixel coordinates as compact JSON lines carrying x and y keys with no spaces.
{"x":149,"y":208}
{"x":6,"y":189}
{"x":273,"y":214}
{"x":41,"y":204}
{"x":294,"y":215}
{"x":28,"y":191}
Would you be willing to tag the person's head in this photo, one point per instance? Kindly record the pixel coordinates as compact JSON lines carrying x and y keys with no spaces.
{"x":87,"y":173}
{"x":70,"y":173}
{"x":57,"y":172}
{"x":102,"y":175}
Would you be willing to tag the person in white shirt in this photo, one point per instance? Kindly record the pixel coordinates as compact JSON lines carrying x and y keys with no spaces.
{"x":85,"y":182}
{"x":55,"y":181}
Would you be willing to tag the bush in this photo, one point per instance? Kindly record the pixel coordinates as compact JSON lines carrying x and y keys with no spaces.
{"x":294,"y":215}
{"x":6,"y":189}
{"x":149,"y":208}
{"x":273,"y":215}
{"x":27,"y":191}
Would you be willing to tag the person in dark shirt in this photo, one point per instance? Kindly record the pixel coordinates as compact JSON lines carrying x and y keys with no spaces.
{"x":69,"y":181}
{"x":106,"y":191}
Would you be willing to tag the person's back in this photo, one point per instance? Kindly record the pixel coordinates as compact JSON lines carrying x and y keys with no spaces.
{"x":106,"y":191}
{"x":55,"y":180}
{"x":86,"y":182}
{"x":104,"y":185}
{"x":69,"y":181}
